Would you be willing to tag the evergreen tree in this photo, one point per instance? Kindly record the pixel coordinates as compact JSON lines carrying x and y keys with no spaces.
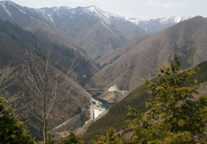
{"x":72,"y":139}
{"x":173,"y":116}
{"x":11,"y":129}
{"x":110,"y":138}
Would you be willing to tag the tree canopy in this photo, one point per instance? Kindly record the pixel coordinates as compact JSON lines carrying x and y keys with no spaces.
{"x":173,"y":115}
{"x":11,"y":129}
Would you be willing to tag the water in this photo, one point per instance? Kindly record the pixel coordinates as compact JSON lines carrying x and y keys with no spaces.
{"x":105,"y":104}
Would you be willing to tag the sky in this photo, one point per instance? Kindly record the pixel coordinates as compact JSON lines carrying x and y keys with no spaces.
{"x":141,"y":9}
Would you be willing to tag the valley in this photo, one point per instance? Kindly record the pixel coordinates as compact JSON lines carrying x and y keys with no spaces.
{"x":77,"y":69}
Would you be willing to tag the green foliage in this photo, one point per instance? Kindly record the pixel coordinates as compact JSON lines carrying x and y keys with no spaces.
{"x":173,"y":116}
{"x":72,"y":139}
{"x":50,"y":139}
{"x":110,"y":138}
{"x":11,"y":130}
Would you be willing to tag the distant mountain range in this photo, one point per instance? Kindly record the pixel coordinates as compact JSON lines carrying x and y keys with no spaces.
{"x":96,"y":31}
{"x":153,"y":26}
{"x":35,"y":21}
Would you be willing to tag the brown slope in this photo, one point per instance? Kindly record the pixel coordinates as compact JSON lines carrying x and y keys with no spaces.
{"x":97,"y":40}
{"x":114,"y":55}
{"x":93,"y":31}
{"x":13,"y":43}
{"x":43,"y":28}
{"x":90,"y":33}
{"x":188,"y":39}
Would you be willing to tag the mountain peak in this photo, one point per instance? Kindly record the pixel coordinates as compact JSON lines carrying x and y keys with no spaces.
{"x":95,"y":11}
{"x":7,"y":2}
{"x":92,"y":7}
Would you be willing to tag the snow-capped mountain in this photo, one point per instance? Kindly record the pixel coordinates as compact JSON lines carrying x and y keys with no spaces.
{"x":71,"y":13}
{"x":156,"y":25}
{"x":96,"y":31}
{"x":90,"y":10}
{"x":171,"y":19}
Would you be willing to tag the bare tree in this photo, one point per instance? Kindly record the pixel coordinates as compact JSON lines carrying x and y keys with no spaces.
{"x":44,"y":84}
{"x":7,"y":77}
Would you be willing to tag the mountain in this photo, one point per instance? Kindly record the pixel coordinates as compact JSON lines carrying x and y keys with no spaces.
{"x":114,"y":55}
{"x":153,"y":26}
{"x":14,"y":41}
{"x":97,"y":31}
{"x":13,"y":44}
{"x":187,"y":39}
{"x":41,"y":26}
{"x":117,"y":115}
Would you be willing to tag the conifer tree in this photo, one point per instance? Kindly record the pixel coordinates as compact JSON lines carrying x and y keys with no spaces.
{"x":110,"y":138}
{"x":11,"y":129}
{"x":72,"y":139}
{"x":173,"y":116}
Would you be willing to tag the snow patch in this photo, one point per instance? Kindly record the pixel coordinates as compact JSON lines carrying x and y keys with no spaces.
{"x":19,"y":9}
{"x":134,"y":20}
{"x":50,"y":17}
{"x":104,"y":16}
{"x":177,"y":19}
{"x":109,"y":28}
{"x":7,"y":11}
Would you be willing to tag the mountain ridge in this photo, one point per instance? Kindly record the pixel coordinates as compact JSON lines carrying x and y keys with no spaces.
{"x":34,"y":21}
{"x":187,"y":39}
{"x":96,"y":31}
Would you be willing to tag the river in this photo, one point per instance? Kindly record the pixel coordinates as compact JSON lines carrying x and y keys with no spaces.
{"x":105,"y":104}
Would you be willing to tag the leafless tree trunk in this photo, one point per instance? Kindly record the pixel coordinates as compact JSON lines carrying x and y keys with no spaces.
{"x":8,"y":77}
{"x":43,"y":85}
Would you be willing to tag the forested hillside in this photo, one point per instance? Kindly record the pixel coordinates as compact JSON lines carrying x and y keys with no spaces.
{"x":117,"y":115}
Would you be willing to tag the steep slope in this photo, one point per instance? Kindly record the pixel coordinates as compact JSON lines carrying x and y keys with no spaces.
{"x":14,"y":41}
{"x":117,"y":115}
{"x":98,"y":32}
{"x":114,"y":55}
{"x":188,"y":39}
{"x":42,"y":27}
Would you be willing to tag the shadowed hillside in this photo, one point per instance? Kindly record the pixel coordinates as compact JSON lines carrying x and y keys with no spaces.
{"x":38,"y":23}
{"x":14,"y":42}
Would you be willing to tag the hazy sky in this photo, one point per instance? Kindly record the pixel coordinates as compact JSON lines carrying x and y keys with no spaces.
{"x":142,"y":9}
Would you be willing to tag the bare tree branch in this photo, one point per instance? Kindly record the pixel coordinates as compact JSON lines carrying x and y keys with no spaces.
{"x":44,"y":84}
